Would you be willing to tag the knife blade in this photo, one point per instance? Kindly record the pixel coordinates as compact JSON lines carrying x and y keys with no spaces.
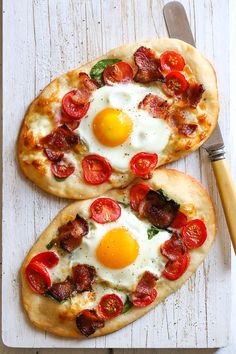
{"x":178,"y":27}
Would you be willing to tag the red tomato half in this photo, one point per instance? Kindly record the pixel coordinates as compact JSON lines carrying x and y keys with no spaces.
{"x":175,"y":84}
{"x":96,"y":169}
{"x":62,"y":169}
{"x":171,"y":61}
{"x":143,"y":163}
{"x":179,"y":221}
{"x":110,"y":306}
{"x":194,"y":234}
{"x":74,"y":110}
{"x":143,"y":300}
{"x":105,"y":210}
{"x":49,"y":259}
{"x":137,"y":194}
{"x":38,"y":277}
{"x":174,"y":270}
{"x":119,"y":72}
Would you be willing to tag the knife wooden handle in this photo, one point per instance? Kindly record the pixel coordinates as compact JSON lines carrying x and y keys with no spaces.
{"x":227,"y":193}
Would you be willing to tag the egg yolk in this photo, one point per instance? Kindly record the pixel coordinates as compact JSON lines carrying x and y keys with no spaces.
{"x":112,"y":127}
{"x":117,"y":249}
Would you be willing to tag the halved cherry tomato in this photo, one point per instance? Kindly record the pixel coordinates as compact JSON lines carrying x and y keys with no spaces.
{"x":143,"y":163}
{"x":49,"y":259}
{"x":96,"y":169}
{"x":143,"y":300}
{"x":171,"y":61}
{"x":74,"y":110}
{"x":137,"y":194}
{"x":62,"y":169}
{"x":54,"y":156}
{"x":179,"y":221}
{"x":110,"y":306}
{"x":38,"y":277}
{"x":119,"y":72}
{"x":105,"y":210}
{"x":194,"y":234}
{"x":175,"y":84}
{"x":70,"y":122}
{"x":174,"y":270}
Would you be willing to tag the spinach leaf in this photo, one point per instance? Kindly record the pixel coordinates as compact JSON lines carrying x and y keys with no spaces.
{"x":50,"y":244}
{"x":125,"y":205}
{"x":127,"y":306}
{"x":97,"y":70}
{"x":160,"y":190}
{"x":152,"y":231}
{"x":59,"y":179}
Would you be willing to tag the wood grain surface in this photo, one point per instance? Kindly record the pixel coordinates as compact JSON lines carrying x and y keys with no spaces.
{"x":44,"y":38}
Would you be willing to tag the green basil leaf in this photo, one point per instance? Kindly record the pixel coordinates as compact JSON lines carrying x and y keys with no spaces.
{"x":49,"y":296}
{"x":50,"y":244}
{"x":97,"y":70}
{"x":59,"y":179}
{"x":152,"y":231}
{"x":160,"y":190}
{"x":125,"y":205}
{"x":127,"y":306}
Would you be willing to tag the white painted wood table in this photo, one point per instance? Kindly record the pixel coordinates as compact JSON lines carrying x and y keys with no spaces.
{"x":44,"y":38}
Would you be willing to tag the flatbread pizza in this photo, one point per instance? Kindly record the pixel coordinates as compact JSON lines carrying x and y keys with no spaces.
{"x":105,"y":262}
{"x":119,"y":117}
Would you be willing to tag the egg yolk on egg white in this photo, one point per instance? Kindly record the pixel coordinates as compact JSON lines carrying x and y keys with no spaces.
{"x":112,"y":127}
{"x":110,"y":251}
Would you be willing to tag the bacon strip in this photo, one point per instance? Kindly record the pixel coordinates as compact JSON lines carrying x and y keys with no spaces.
{"x":83,"y":277}
{"x":158,"y":210}
{"x":62,"y":290}
{"x":88,"y":322}
{"x":87,"y":86}
{"x":145,"y":287}
{"x":71,"y":234}
{"x":173,"y":248}
{"x":148,"y":66}
{"x":155,"y":105}
{"x":187,"y":129}
{"x":60,"y":139}
{"x":193,"y":94}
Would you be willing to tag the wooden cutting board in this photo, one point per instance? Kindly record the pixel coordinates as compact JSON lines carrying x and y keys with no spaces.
{"x":43,"y":39}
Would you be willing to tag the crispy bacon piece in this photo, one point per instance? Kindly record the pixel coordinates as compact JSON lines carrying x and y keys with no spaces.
{"x":146,"y":283}
{"x":193,"y":94}
{"x":70,"y":235}
{"x":158,"y":209}
{"x":155,"y":105}
{"x":87,"y":86}
{"x":145,"y":293}
{"x":173,"y":248}
{"x":88,"y":322}
{"x":176,"y":121}
{"x":83,"y":277}
{"x":60,"y":139}
{"x":187,"y":129}
{"x":53,"y":155}
{"x":62,"y":290}
{"x":148,"y":66}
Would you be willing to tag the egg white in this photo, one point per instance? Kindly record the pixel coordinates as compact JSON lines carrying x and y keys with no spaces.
{"x":148,"y":134}
{"x":148,"y":259}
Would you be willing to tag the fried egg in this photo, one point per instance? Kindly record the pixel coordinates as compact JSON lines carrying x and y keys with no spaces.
{"x":117,"y":129}
{"x":120,"y":251}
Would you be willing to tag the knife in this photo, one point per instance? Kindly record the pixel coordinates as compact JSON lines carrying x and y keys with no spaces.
{"x":178,"y":27}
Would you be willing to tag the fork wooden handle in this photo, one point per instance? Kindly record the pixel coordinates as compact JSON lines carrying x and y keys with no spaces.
{"x":227,"y":193}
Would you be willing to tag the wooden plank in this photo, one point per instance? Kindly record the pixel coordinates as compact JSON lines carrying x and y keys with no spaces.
{"x":48,"y":38}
